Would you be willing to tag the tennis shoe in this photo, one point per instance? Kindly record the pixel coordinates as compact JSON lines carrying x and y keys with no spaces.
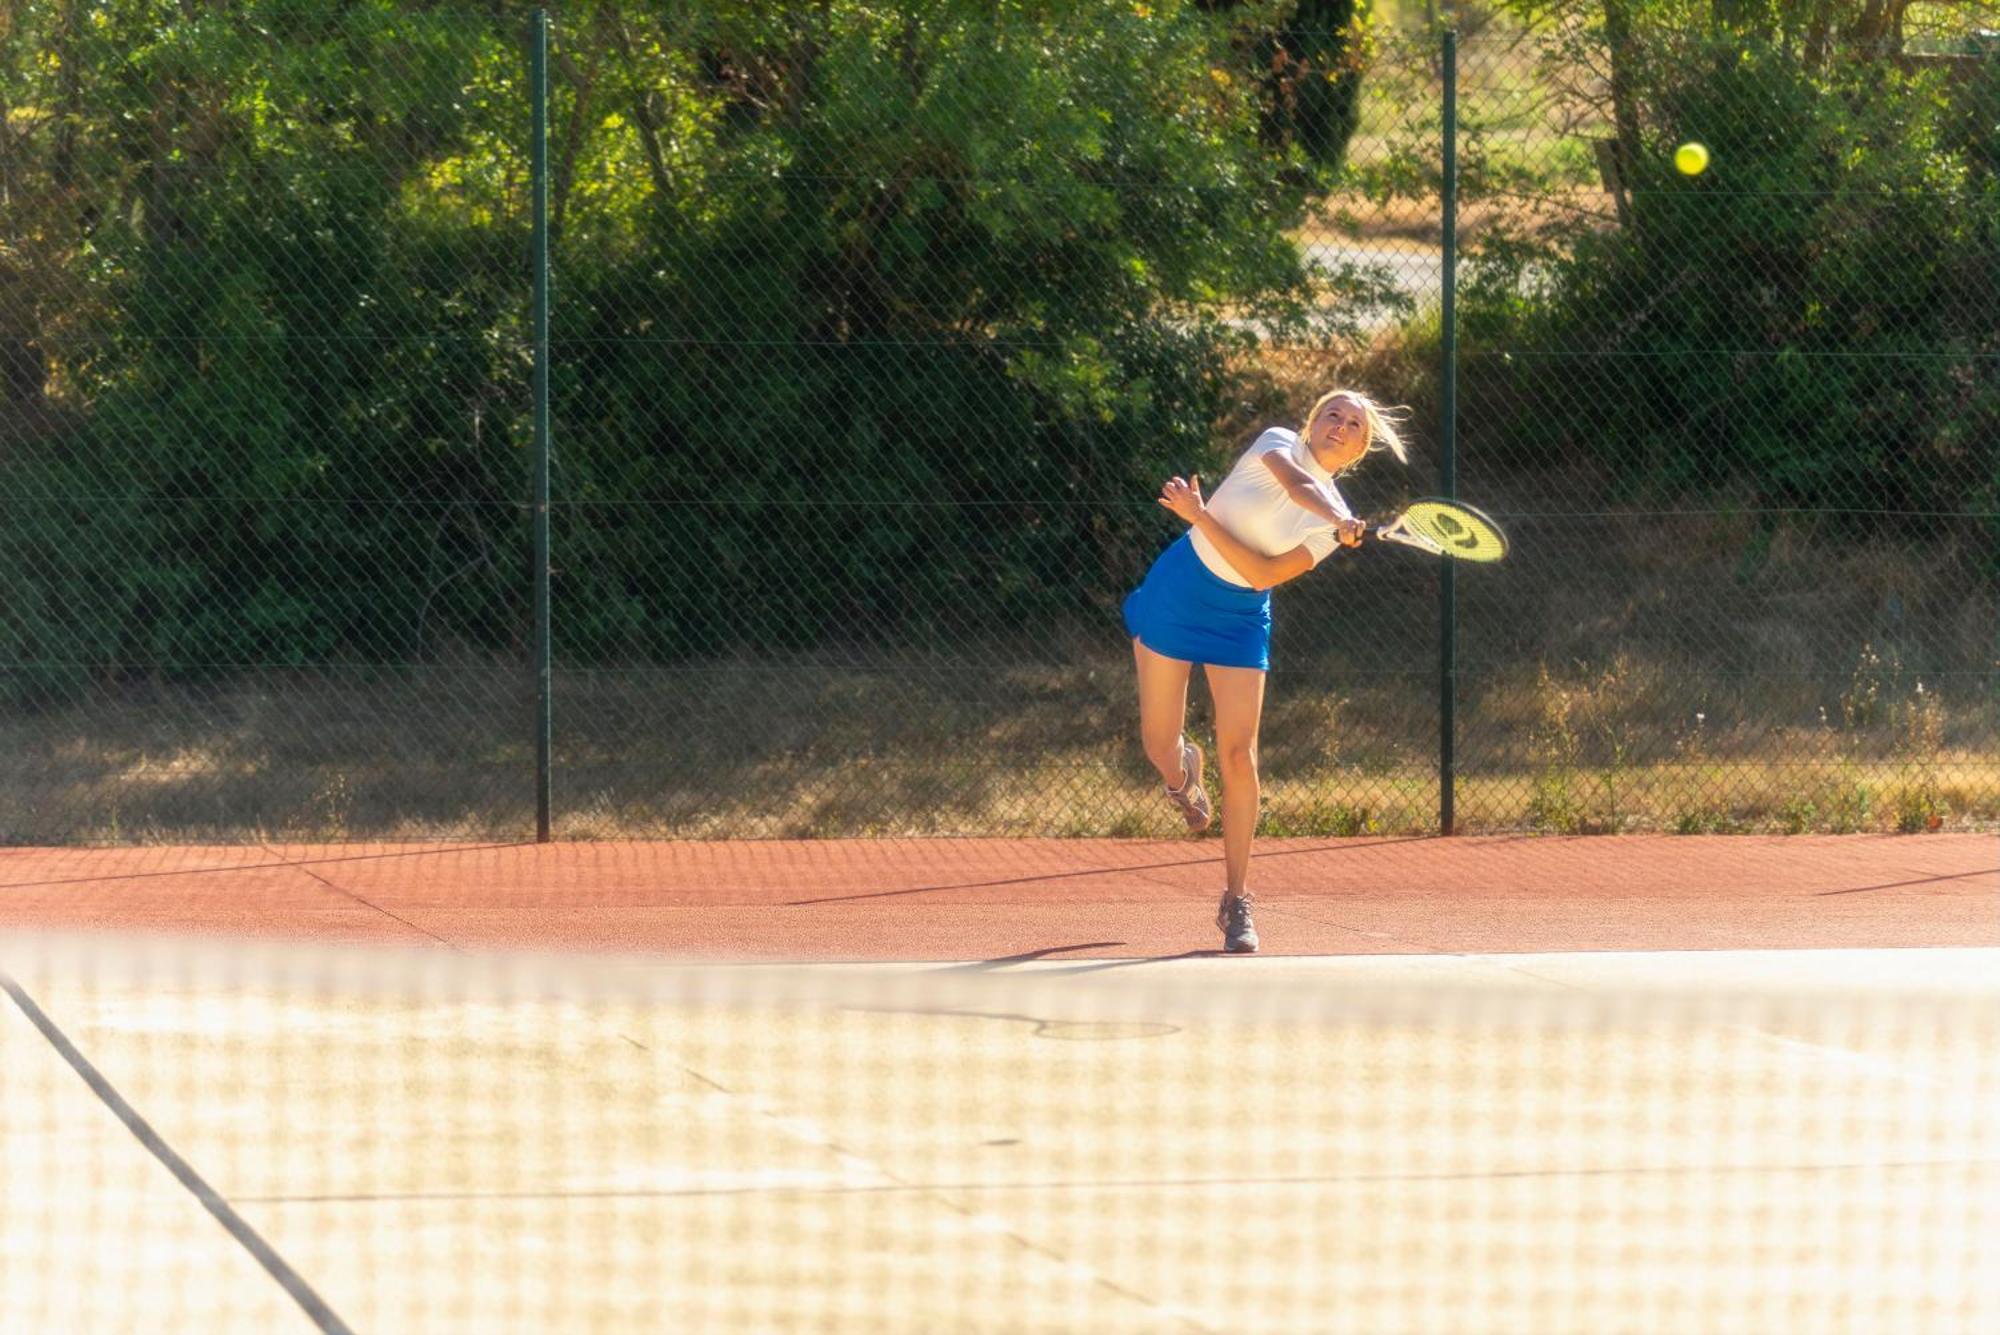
{"x":1239,"y":934}
{"x":1191,"y":797}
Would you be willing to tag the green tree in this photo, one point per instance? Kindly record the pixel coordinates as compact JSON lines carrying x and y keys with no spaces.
{"x":1808,"y":322}
{"x":945,"y":288}
{"x":948,"y":304}
{"x":270,"y":347}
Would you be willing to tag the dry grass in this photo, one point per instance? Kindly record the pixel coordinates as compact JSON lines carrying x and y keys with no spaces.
{"x":1619,"y":672}
{"x":1035,"y":745}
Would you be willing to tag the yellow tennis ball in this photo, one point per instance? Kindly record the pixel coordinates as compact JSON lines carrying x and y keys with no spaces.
{"x":1692,"y":159}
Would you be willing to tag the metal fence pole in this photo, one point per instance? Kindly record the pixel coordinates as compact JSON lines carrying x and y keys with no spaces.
{"x":544,"y":710}
{"x":1448,"y":411}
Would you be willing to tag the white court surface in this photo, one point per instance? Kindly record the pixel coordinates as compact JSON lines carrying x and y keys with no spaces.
{"x":1722,"y":1141}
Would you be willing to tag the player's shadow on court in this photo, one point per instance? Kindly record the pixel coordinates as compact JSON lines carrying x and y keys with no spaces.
{"x":1097,"y":965}
{"x":1029,"y":956}
{"x":1082,"y":872}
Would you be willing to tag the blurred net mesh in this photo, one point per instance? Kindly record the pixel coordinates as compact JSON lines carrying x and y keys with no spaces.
{"x":875,"y":330}
{"x":433,"y":1143}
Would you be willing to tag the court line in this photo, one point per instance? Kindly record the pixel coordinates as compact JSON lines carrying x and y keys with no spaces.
{"x":1923,"y":880}
{"x":1194,"y":861}
{"x":894,"y":1186}
{"x":1274,"y":907}
{"x":808,"y":1132}
{"x":1832,"y":1054}
{"x":307,"y":871}
{"x":1829,"y":1053}
{"x":264,"y":866}
{"x":211,"y":1200}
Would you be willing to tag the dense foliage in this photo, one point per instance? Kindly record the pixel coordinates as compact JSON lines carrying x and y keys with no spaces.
{"x":1809,"y":325}
{"x":833,"y":282}
{"x":866,"y":311}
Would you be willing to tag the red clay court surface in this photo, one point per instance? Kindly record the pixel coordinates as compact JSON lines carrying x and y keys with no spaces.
{"x":988,"y":899}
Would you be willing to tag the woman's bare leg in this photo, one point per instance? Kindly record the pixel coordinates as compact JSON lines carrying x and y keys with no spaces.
{"x":1163,"y":684}
{"x":1162,"y":721}
{"x":1239,"y":706}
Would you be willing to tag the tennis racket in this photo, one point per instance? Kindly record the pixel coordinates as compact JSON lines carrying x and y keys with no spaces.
{"x":1446,"y":528}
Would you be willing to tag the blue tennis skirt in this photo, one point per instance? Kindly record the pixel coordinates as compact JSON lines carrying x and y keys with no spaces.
{"x":1185,"y":610}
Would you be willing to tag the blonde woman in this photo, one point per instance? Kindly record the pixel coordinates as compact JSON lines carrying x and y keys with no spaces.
{"x":1207,"y":600}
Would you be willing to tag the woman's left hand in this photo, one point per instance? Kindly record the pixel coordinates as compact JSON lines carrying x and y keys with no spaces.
{"x":1183,"y":497}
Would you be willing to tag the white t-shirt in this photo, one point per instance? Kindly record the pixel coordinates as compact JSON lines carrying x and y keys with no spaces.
{"x":1254,"y":506}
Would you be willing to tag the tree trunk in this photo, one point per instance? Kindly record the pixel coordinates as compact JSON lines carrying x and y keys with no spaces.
{"x":1624,"y":96}
{"x":1878,"y":29}
{"x":642,"y":109}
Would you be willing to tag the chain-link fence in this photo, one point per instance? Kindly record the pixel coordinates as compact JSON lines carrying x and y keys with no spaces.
{"x":1746,"y":422}
{"x":874,"y":330}
{"x":263,"y":302}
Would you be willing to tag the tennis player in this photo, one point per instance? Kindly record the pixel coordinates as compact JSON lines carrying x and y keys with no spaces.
{"x":1207,"y":600}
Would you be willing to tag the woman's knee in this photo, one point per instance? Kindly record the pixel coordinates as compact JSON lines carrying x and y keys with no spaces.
{"x":1238,"y":758}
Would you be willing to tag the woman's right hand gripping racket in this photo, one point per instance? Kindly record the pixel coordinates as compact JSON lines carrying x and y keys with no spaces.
{"x":1446,"y":528}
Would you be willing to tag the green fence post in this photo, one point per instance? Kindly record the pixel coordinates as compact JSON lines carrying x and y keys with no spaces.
{"x":1448,"y":411}
{"x":538,"y":61}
